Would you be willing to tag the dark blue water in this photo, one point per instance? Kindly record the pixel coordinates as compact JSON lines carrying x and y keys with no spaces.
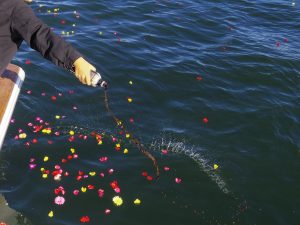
{"x":236,"y":63}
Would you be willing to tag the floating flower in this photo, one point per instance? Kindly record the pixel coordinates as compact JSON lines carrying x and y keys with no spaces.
{"x":71,"y":132}
{"x":101,"y":193}
{"x":129,"y":99}
{"x":117,"y":190}
{"x":57,"y":177}
{"x":45,"y":176}
{"x":114,"y":184}
{"x":91,"y":187}
{"x":130,"y":82}
{"x":22,"y":136}
{"x":117,"y":200}
{"x":46,"y":158}
{"x":85,"y":219}
{"x":32,"y":166}
{"x":76,"y":192}
{"x":137,"y":201}
{"x":199,"y":78}
{"x":205,"y":120}
{"x":125,"y":151}
{"x":216,"y":166}
{"x":83,"y":189}
{"x":150,"y":178}
{"x":51,"y":214}
{"x":59,"y":200}
{"x":166,"y":168}
{"x":178,"y":180}
{"x":144,"y":174}
{"x":107,"y":211}
{"x":57,"y":167}
{"x":103,"y":159}
{"x":59,"y":190}
{"x":92,"y":174}
{"x":164,"y":151}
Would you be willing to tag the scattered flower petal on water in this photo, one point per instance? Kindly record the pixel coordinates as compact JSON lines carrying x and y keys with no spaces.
{"x":59,"y":200}
{"x":117,"y":200}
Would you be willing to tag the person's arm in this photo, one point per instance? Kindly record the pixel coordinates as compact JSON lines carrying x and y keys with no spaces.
{"x":52,"y":47}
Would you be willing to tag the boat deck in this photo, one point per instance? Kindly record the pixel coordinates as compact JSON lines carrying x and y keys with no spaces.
{"x":10,"y":84}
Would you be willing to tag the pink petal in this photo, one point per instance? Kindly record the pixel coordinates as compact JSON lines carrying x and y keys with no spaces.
{"x":178,"y":180}
{"x":59,"y":200}
{"x":117,"y":190}
{"x":32,"y":166}
{"x":164,"y":151}
{"x":101,"y":193}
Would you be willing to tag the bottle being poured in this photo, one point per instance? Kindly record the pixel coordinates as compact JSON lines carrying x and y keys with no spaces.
{"x":96,"y":80}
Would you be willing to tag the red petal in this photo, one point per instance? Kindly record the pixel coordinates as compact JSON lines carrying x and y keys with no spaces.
{"x":144,"y":174}
{"x":149,"y":178}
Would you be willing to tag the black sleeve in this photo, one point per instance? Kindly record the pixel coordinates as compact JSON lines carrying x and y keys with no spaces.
{"x":40,"y":37}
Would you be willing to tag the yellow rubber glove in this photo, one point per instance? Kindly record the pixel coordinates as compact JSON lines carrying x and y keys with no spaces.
{"x":83,"y":70}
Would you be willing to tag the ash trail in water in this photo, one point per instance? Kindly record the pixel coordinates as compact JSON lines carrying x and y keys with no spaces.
{"x":179,"y":147}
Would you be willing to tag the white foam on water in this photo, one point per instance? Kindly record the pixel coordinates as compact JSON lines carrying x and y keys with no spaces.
{"x":179,"y":147}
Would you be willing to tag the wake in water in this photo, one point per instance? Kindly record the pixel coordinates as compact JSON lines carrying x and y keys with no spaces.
{"x":179,"y":147}
{"x":172,"y":145}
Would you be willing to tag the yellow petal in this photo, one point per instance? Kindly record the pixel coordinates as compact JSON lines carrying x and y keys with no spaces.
{"x":51,"y":214}
{"x":137,"y":201}
{"x":22,"y":136}
{"x":92,"y":173}
{"x":216,"y":166}
{"x":117,"y":200}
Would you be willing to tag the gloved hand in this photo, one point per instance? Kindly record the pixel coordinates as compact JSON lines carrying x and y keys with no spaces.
{"x":82,"y":71}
